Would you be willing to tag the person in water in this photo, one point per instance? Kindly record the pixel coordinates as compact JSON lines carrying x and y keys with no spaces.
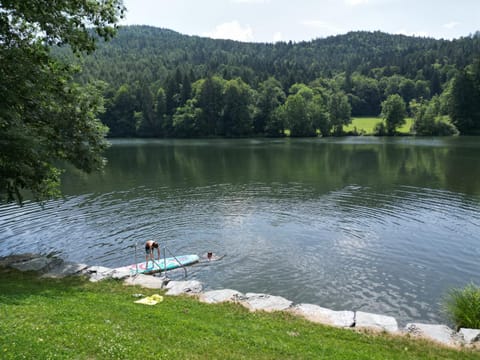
{"x":150,"y":245}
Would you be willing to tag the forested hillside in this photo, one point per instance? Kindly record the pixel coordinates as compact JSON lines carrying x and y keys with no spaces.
{"x":161,"y":83}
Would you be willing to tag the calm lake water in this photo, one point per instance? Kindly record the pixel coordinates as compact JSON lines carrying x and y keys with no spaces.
{"x":371,"y":224}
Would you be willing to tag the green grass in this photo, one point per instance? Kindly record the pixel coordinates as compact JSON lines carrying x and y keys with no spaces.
{"x":463,"y":306}
{"x":363,"y":123}
{"x":367,"y":124}
{"x":76,"y":319}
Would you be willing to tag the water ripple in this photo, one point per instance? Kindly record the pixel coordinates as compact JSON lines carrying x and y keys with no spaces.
{"x":354,"y":248}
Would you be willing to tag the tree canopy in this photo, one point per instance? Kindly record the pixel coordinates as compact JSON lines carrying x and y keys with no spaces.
{"x":349,"y":74}
{"x":393,"y":112}
{"x":464,"y":100}
{"x":45,"y":116}
{"x":153,"y":82}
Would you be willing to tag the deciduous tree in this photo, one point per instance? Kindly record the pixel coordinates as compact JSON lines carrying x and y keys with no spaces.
{"x":393,"y":112}
{"x":44,"y":115}
{"x":339,"y":112}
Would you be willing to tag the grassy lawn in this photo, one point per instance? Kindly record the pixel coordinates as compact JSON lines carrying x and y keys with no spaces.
{"x":76,"y":319}
{"x":367,"y":124}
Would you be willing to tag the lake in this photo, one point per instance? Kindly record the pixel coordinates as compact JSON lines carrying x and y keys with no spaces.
{"x":384,"y":225}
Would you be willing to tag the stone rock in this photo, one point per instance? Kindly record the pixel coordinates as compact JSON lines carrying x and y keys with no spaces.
{"x":65,"y":269}
{"x":190,"y":287}
{"x":470,"y":335}
{"x":219,"y":296}
{"x":439,"y":333}
{"x":98,"y":273}
{"x":120,"y":274}
{"x":375,"y":322}
{"x":265,"y":302}
{"x":7,"y":261}
{"x":39,"y":264}
{"x":325,"y":316}
{"x":147,"y":281}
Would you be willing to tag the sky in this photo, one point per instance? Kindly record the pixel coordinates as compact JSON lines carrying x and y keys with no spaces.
{"x":304,"y":20}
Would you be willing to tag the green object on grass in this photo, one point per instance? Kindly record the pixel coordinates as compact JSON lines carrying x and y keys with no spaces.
{"x":463,"y":306}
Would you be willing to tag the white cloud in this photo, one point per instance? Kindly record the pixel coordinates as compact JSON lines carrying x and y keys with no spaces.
{"x":369,"y":2}
{"x":451,"y":25}
{"x":231,"y":30}
{"x":250,"y":1}
{"x":322,"y":25}
{"x":356,"y":2}
{"x":277,"y":37}
{"x":314,"y":23}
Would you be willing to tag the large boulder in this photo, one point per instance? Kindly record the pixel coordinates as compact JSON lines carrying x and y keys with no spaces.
{"x":470,"y":336}
{"x":219,"y":296}
{"x":265,"y":302}
{"x":120,"y":273}
{"x":7,"y":261}
{"x":190,"y":287}
{"x":38,"y":263}
{"x":147,"y":281}
{"x":375,"y":322}
{"x":325,"y":316}
{"x":65,"y":269}
{"x":98,"y":273}
{"x":439,"y":333}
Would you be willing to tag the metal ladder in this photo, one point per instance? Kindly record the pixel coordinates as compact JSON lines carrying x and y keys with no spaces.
{"x":165,"y":249}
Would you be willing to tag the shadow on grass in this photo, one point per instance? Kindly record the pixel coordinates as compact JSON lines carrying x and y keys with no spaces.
{"x":16,"y":286}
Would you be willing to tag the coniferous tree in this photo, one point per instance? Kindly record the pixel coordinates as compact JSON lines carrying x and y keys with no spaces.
{"x":464,"y":101}
{"x":210,"y":100}
{"x":120,"y":115}
{"x":160,"y":113}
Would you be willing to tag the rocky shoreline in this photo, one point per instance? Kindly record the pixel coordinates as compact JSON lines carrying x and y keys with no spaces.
{"x":54,"y":267}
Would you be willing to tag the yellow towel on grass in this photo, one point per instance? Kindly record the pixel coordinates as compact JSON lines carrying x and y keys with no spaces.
{"x":150,"y":300}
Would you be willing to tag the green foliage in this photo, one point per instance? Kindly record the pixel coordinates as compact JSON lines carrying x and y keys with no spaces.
{"x":44,"y":115}
{"x":367,"y":67}
{"x":59,"y":22}
{"x":187,"y":120}
{"x":319,"y":114}
{"x":210,"y":100}
{"x":275,"y":125}
{"x":428,"y":119}
{"x":393,"y":112}
{"x":237,"y":112}
{"x":464,"y":100}
{"x":463,"y":306}
{"x":120,"y":117}
{"x":380,"y":129}
{"x":339,"y":111}
{"x":297,"y":118}
{"x":270,"y":97}
{"x":370,"y":54}
{"x":365,"y":95}
{"x":73,"y":318}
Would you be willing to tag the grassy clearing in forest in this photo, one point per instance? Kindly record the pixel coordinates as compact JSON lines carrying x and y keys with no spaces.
{"x":367,"y":124}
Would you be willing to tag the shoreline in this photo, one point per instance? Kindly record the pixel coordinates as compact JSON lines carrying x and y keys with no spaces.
{"x":53,"y":267}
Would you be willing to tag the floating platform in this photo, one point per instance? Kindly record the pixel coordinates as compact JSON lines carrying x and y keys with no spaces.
{"x":160,"y":265}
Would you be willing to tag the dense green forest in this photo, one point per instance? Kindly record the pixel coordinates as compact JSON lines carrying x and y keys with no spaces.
{"x":159,"y":83}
